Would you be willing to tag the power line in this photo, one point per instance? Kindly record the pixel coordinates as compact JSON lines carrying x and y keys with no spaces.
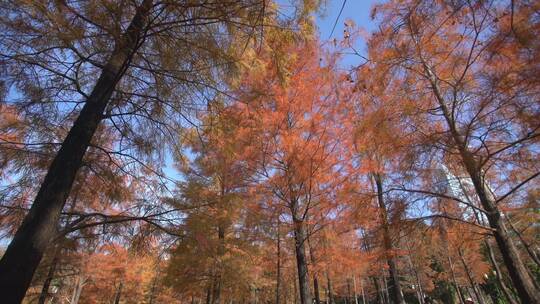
{"x":337,"y":19}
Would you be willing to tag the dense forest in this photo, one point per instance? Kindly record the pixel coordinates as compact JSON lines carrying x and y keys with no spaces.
{"x":226,"y":152}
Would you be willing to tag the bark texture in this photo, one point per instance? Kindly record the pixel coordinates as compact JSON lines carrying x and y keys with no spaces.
{"x":301,"y":261}
{"x":39,"y":226}
{"x":396,"y":293}
{"x":50,"y":275}
{"x":526,"y":290}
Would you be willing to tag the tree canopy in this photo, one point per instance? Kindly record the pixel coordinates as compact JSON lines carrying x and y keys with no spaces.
{"x":225,"y":152}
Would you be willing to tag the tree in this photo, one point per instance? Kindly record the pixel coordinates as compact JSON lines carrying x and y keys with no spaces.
{"x":283,"y":106}
{"x":142,"y":50}
{"x":447,"y":64}
{"x":215,"y":246}
{"x":383,"y":146}
{"x":223,"y":154}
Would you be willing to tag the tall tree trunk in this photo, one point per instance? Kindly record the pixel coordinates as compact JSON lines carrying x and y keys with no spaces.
{"x":385,"y":289}
{"x":355,"y":294}
{"x":419,"y":297}
{"x":469,"y":277}
{"x":498,"y":274}
{"x":216,"y":290}
{"x":315,"y":279}
{"x":378,"y":290}
{"x":532,"y":254}
{"x":296,"y":296}
{"x":348,"y":290}
{"x":397,"y":294}
{"x":118,"y":293}
{"x":77,"y":290}
{"x":301,"y":260}
{"x":330,"y":288}
{"x":454,"y":280}
{"x":363,"y":292}
{"x":39,"y":226}
{"x":523,"y":283}
{"x":153,"y":289}
{"x":419,"y":289}
{"x":316,"y":291}
{"x":491,"y":255}
{"x":443,"y":232}
{"x":527,"y":291}
{"x":50,"y":275}
{"x":209,"y":292}
{"x":278,"y":274}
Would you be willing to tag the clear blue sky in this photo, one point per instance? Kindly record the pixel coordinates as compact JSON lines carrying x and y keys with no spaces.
{"x":356,"y":10}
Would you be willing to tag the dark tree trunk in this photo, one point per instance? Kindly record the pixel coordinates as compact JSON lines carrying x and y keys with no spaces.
{"x":526,"y":245}
{"x":363,"y":292}
{"x":524,"y":284}
{"x":355,"y":294}
{"x":39,"y":226}
{"x":506,"y":291}
{"x":313,"y":260}
{"x":50,"y":275}
{"x":491,"y":255}
{"x":118,"y":293}
{"x":348,"y":290}
{"x":278,"y":274}
{"x":470,"y":278}
{"x":216,"y":290}
{"x":296,"y":296}
{"x":77,"y":290}
{"x":444,"y":236}
{"x":330,"y":289}
{"x":397,"y":294}
{"x":301,"y":261}
{"x":316,"y":290}
{"x":419,"y":290}
{"x":461,"y":297}
{"x":380,"y":296}
{"x":209,"y":292}
{"x":153,"y":289}
{"x":385,"y":288}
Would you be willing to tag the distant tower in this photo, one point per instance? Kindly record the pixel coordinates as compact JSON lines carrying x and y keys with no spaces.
{"x":461,"y":188}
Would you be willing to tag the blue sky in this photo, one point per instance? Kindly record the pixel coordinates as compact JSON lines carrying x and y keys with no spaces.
{"x":356,"y":10}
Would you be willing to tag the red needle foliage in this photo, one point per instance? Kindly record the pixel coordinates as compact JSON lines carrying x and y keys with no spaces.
{"x":220,"y":152}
